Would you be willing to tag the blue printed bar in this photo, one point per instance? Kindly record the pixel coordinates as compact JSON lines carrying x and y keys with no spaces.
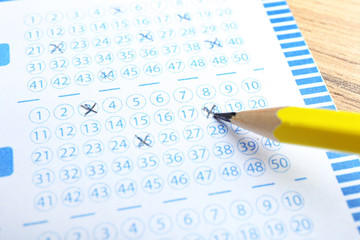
{"x":300,"y":62}
{"x":350,"y":190}
{"x":276,"y":12}
{"x":356,"y":216}
{"x":274,"y":4}
{"x":303,"y":81}
{"x":331,"y":107}
{"x":292,"y":44}
{"x":353,"y":203}
{"x":348,"y":177}
{"x":304,"y":71}
{"x":312,"y":90}
{"x":4,"y":54}
{"x":332,"y":155}
{"x":288,"y":36}
{"x":297,"y":53}
{"x":6,"y":161}
{"x":315,"y":100}
{"x":285,"y":28}
{"x":279,"y":20}
{"x":345,"y":165}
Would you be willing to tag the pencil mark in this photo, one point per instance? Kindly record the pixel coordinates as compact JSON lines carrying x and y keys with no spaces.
{"x":89,"y":108}
{"x":210,"y":112}
{"x":143,"y":141}
{"x":216,"y":43}
{"x":57,"y":48}
{"x":116,"y":10}
{"x":146,"y":37}
{"x":185,"y":16}
{"x":104,"y":76}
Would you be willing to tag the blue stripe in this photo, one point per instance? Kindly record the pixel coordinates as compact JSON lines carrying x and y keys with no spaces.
{"x":30,"y":100}
{"x":332,"y":155}
{"x":300,"y":62}
{"x":348,"y":177}
{"x":353,"y":203}
{"x":276,"y":12}
{"x":312,"y":90}
{"x":148,"y":84}
{"x":292,"y":44}
{"x":288,"y":36}
{"x":263,"y":185}
{"x":286,"y":27}
{"x":300,"y":179}
{"x":356,"y":216}
{"x":184,"y":79}
{"x":315,"y":100}
{"x":217,"y":193}
{"x":345,"y":165}
{"x":258,"y":69}
{"x":350,"y":190}
{"x":109,"y":89}
{"x":303,"y":81}
{"x":331,"y":107}
{"x":128,"y":208}
{"x":82,"y":215}
{"x":221,"y":74}
{"x":297,"y":53}
{"x":358,"y":228}
{"x":304,"y":71}
{"x":69,"y":95}
{"x":35,"y":223}
{"x":274,"y":4}
{"x":174,"y":200}
{"x":283,"y":19}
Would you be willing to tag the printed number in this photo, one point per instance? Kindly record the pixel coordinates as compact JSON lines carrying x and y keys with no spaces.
{"x":229,"y":26}
{"x":126,"y":55}
{"x":75,"y":14}
{"x":84,"y":78}
{"x":43,"y":177}
{"x":104,"y":58}
{"x":33,"y":34}
{"x":267,"y":205}
{"x":115,"y":124}
{"x":72,"y":197}
{"x":105,"y":231}
{"x":193,"y":133}
{"x":240,"y":57}
{"x":122,"y":166}
{"x":40,"y":135}
{"x":119,"y":144}
{"x":65,"y":131}
{"x":49,"y":236}
{"x":34,"y":50}
{"x":163,"y":18}
{"x":241,"y":210}
{"x":187,"y":32}
{"x":234,"y":105}
{"x":234,"y":41}
{"x":153,"y":69}
{"x":197,"y":63}
{"x":247,"y":146}
{"x":101,"y":42}
{"x":159,"y":98}
{"x":175,"y":66}
{"x":64,"y":111}
{"x":204,"y":14}
{"x":279,"y":163}
{"x":35,"y":67}
{"x":81,"y":61}
{"x":170,"y":49}
{"x":166,"y":34}
{"x":204,"y":175}
{"x":217,"y":130}
{"x":112,"y":105}
{"x":208,"y":29}
{"x":206,"y":91}
{"x":97,"y":12}
{"x":188,"y":113}
{"x":45,"y":201}
{"x":37,"y":84}
{"x":168,"y":136}
{"x":221,"y":234}
{"x":133,"y":228}
{"x":70,"y":174}
{"x":107,"y":75}
{"x":301,"y":225}
{"x":214,"y":214}
{"x":136,"y":101}
{"x":198,"y":153}
{"x":164,"y":117}
{"x":183,"y":95}
{"x":130,"y":72}
{"x":274,"y":229}
{"x":148,"y":162}
{"x":257,"y":102}
{"x":251,"y":85}
{"x":79,"y":44}
{"x":142,"y":21}
{"x":148,"y":52}
{"x":223,"y":150}
{"x":178,"y":179}
{"x":54,"y":17}
{"x":68,"y":152}
{"x":188,"y":219}
{"x":96,"y":169}
{"x":77,"y":234}
{"x":229,"y":171}
{"x":160,"y":223}
{"x":219,"y":60}
{"x":229,"y":88}
{"x":93,"y":148}
{"x":60,"y":81}
{"x":32,"y":19}
{"x":248,"y":231}
{"x":152,"y":184}
{"x":41,"y":156}
{"x":140,"y":120}
{"x":90,"y":127}
{"x":293,"y":200}
{"x":99,"y":27}
{"x":173,"y":158}
{"x":123,"y":39}
{"x":77,"y":29}
{"x":254,"y":167}
{"x":270,"y":145}
{"x":121,"y":24}
{"x":99,"y":192}
{"x":56,"y":31}
{"x":126,"y":188}
{"x":39,"y":115}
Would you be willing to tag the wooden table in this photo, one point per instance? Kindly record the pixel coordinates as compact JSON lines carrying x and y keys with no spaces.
{"x":331,"y":29}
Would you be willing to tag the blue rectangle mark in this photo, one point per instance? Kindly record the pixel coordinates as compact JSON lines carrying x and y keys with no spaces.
{"x":128,"y":208}
{"x":315,"y":100}
{"x":300,"y":179}
{"x":356,"y":216}
{"x":29,"y":100}
{"x":350,"y":190}
{"x":276,"y":12}
{"x":185,"y":79}
{"x":258,"y":69}
{"x":285,"y":28}
{"x":69,"y":95}
{"x":283,"y":19}
{"x":82,"y":215}
{"x":288,"y":36}
{"x":292,"y":44}
{"x":263,"y":185}
{"x":222,"y":74}
{"x":332,"y":155}
{"x":348,"y":177}
{"x":274,"y":4}
{"x":312,"y":90}
{"x":345,"y":165}
{"x":331,"y":107}
{"x":353,"y":203}
{"x":297,"y":53}
{"x":6,"y":161}
{"x":174,"y":200}
{"x":109,"y":89}
{"x":148,"y":84}
{"x":217,"y":193}
{"x":299,"y":62}
{"x":304,"y":71}
{"x":309,"y":80}
{"x":4,"y":54}
{"x":35,"y":223}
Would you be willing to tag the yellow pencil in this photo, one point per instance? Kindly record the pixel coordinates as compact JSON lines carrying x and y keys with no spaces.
{"x":304,"y":126}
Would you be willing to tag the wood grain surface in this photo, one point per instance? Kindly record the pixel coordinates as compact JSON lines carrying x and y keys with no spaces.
{"x":331,"y":29}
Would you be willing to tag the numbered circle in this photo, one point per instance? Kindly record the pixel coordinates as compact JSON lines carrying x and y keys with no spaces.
{"x":241,"y":209}
{"x":101,"y":41}
{"x":164,"y":117}
{"x":107,"y":75}
{"x":112,"y":105}
{"x":99,"y":192}
{"x":133,"y":228}
{"x":126,"y":188}
{"x":33,"y":34}
{"x":267,"y":205}
{"x":214,"y":214}
{"x":104,"y":58}
{"x":96,"y":169}
{"x":35,"y":67}
{"x":192,"y":46}
{"x":136,"y":101}
{"x":175,"y":66}
{"x":77,"y":29}
{"x":81,"y":61}
{"x":84,"y":78}
{"x":88,"y":108}
{"x":97,"y":12}
{"x":219,"y":60}
{"x":105,"y":231}
{"x":208,"y":109}
{"x":217,"y":130}
{"x":270,"y":145}
{"x":93,"y":148}
{"x":72,"y":197}
{"x":206,"y":91}
{"x":188,"y":113}
{"x":193,"y":133}
{"x":34,"y":50}
{"x":152,"y":184}
{"x":240,"y":57}
{"x":65,"y":131}
{"x":77,"y":234}
{"x":169,"y":137}
{"x":45,"y":201}
{"x":140,"y":120}
{"x":57,"y":48}
{"x":60,"y":81}
{"x":223,"y":150}
{"x":90,"y":127}
{"x":42,"y":156}
{"x":178,"y":179}
{"x":49,"y":236}
{"x":59,"y":64}
{"x":75,"y":14}
{"x":54,"y":17}
{"x":130,"y":72}
{"x":247,"y":146}
{"x":39,"y":115}
{"x":159,"y":98}
{"x":251,"y":85}
{"x":79,"y":44}
{"x":197,"y":63}
{"x":254,"y":167}
{"x":230,"y":171}
{"x":70,"y":174}
{"x":204,"y":175}
{"x":234,"y":41}
{"x":221,"y":234}
{"x":119,"y":144}
{"x":187,"y":219}
{"x":229,"y":88}
{"x":173,"y":157}
{"x":143,"y":140}
{"x":248,"y":231}
{"x":183,"y":95}
{"x":293,"y":201}
{"x":274,"y":229}
{"x":43,"y":177}
{"x":152,"y":69}
{"x":198,"y":153}
{"x":234,"y":105}
{"x":279,"y":163}
{"x":37,"y":84}
{"x":32,"y":19}
{"x":160,"y":223}
{"x":257,"y":102}
{"x":40,"y":135}
{"x":63,"y":111}
{"x":148,"y":52}
{"x":122,"y":166}
{"x":170,"y":49}
{"x":115,"y":124}
{"x":68,"y":152}
{"x":148,"y":162}
{"x":301,"y":225}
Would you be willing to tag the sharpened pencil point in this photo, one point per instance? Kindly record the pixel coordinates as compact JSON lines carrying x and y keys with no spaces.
{"x":224,"y":116}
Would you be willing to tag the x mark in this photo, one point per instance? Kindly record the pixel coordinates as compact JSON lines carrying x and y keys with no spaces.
{"x":146,"y":36}
{"x":143,"y":141}
{"x":210,"y":111}
{"x":104,"y":76}
{"x":215,"y":43}
{"x":117,"y":10}
{"x":186,"y":16}
{"x":59,"y":47}
{"x":89,"y":108}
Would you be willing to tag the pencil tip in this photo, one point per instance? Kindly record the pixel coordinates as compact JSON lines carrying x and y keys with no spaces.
{"x":224,"y":116}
